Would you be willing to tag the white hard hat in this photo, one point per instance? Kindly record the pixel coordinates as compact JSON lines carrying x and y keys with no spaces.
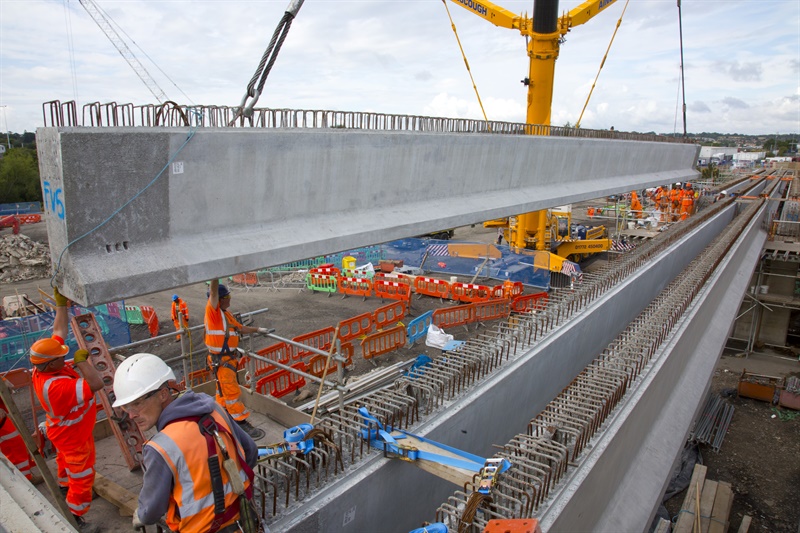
{"x":678,"y":183}
{"x":137,"y":375}
{"x":724,"y":192}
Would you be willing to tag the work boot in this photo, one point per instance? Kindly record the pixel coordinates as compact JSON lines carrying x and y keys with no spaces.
{"x":254,"y":432}
{"x":86,"y":527}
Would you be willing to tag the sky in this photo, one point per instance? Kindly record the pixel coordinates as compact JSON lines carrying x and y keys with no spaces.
{"x":741,"y":60}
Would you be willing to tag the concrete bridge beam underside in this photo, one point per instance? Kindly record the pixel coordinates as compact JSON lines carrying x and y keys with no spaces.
{"x":236,"y":200}
{"x":492,"y":414}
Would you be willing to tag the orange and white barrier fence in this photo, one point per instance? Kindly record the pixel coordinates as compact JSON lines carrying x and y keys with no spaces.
{"x":468,"y":292}
{"x":280,"y":353}
{"x":248,"y":279}
{"x":282,"y":382}
{"x":383,"y":342}
{"x":355,"y":286}
{"x":392,"y":290}
{"x":437,"y":288}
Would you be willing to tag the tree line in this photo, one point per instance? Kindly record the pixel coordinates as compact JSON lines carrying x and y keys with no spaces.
{"x":19,"y":171}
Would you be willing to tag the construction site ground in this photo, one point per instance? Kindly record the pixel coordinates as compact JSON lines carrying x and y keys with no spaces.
{"x":758,"y":455}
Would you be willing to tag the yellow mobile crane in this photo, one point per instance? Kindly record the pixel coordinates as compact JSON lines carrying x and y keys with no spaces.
{"x":546,"y":230}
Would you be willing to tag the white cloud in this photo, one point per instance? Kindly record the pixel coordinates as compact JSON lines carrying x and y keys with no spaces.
{"x":402,"y":57}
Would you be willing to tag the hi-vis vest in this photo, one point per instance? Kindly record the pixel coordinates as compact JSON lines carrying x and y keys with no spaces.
{"x":217,"y":323}
{"x":184,"y":449}
{"x":69,"y":403}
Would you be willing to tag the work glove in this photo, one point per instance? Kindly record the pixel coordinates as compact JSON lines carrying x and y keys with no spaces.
{"x":265,"y":331}
{"x":81,"y":356}
{"x":61,"y":300}
{"x":137,"y":524}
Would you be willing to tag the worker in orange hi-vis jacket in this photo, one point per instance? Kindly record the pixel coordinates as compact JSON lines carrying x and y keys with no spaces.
{"x":222,"y":339}
{"x":12,"y":445}
{"x":636,"y":205}
{"x":66,"y":393}
{"x":180,"y":315}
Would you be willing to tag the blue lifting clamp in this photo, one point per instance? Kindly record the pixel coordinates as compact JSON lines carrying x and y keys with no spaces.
{"x":295,"y":442}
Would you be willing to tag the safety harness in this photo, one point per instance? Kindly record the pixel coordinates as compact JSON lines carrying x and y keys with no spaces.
{"x":216,"y":358}
{"x":210,"y":431}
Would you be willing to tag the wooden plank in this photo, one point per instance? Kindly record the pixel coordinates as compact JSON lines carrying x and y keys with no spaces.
{"x":722,"y":508}
{"x":686,"y":517}
{"x":707,"y":504}
{"x":124,"y":499}
{"x":745,"y":525}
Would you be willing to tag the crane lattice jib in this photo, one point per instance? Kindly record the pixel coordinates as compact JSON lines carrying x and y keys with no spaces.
{"x":104,"y":24}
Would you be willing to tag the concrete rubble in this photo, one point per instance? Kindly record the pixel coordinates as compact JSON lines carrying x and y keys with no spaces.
{"x":22,"y":258}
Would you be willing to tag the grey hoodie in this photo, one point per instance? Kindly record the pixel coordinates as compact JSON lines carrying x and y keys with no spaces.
{"x":157,"y":485}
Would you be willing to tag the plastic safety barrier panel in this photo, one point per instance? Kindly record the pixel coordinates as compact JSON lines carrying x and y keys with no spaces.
{"x":321,"y":282}
{"x":468,"y":292}
{"x":326,"y":269}
{"x":29,"y":219}
{"x":383,"y":342}
{"x":316,"y":365}
{"x":320,"y":339}
{"x":133,"y":315}
{"x":197,"y":377}
{"x":150,"y":318}
{"x":355,"y":327}
{"x":491,"y":310}
{"x":529,"y":302}
{"x":248,"y":279}
{"x":355,"y":286}
{"x":392,"y":290}
{"x":280,"y":353}
{"x":418,"y":327}
{"x":356,"y":273}
{"x":282,"y":382}
{"x":389,"y":314}
{"x":437,"y":288}
{"x":460,"y":315}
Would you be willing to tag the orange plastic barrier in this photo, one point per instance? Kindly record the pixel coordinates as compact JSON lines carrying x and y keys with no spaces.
{"x":393,"y":276}
{"x":355,"y":286}
{"x":389,"y":314}
{"x":467,"y":292}
{"x":280,"y":352}
{"x":490,"y":310}
{"x":529,"y":302}
{"x":316,"y":365}
{"x":29,"y":219}
{"x":392,"y":290}
{"x":509,"y":289}
{"x":248,"y":279}
{"x":356,"y":326}
{"x":282,"y":382}
{"x":460,"y":315}
{"x":438,"y":288}
{"x":197,"y":377}
{"x":383,"y":342}
{"x":327,"y":269}
{"x":151,"y":319}
{"x":320,"y":339}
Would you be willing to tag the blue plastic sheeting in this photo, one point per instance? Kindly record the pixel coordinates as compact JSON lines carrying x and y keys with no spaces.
{"x":18,"y":334}
{"x":21,"y":208}
{"x":431,"y":255}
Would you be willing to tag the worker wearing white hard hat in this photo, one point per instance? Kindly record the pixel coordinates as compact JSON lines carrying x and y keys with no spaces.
{"x":178,"y":454}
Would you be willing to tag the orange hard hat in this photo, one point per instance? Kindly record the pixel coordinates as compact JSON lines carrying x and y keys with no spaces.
{"x":46,"y":350}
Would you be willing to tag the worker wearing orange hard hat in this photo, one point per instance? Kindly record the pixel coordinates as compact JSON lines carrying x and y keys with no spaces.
{"x":222,"y":340}
{"x":66,"y":393}
{"x":180,"y":314}
{"x":12,"y":445}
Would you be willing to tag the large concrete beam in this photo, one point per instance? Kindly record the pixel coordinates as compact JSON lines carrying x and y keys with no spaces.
{"x":234,"y":200}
